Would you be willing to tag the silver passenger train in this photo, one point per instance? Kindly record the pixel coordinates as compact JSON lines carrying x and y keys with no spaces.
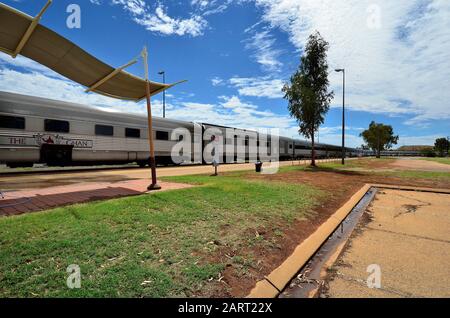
{"x":56,"y":133}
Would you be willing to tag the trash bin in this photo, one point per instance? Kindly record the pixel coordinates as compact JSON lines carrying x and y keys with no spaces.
{"x":258,"y":166}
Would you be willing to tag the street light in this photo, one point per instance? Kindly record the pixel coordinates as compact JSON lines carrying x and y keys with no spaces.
{"x":163,"y":73}
{"x":343,"y":112}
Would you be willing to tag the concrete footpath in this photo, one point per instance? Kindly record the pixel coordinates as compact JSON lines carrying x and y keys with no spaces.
{"x":32,"y":200}
{"x":29,"y":192}
{"x":44,"y":179}
{"x":407,"y":237}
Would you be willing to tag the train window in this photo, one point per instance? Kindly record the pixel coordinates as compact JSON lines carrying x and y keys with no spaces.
{"x":56,"y":125}
{"x":12,"y":122}
{"x":290,"y":146}
{"x":132,"y":133}
{"x":104,"y":130}
{"x":162,"y":135}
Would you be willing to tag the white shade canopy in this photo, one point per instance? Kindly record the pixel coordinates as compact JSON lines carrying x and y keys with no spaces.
{"x":22,"y":34}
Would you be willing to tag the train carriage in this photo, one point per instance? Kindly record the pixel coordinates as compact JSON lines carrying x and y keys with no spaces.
{"x":40,"y":130}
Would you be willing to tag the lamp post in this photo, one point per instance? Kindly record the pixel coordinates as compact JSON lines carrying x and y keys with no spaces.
{"x":343,"y":112}
{"x":163,"y":73}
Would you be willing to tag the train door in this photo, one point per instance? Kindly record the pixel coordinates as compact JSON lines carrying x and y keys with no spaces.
{"x":56,"y":155}
{"x":247,"y":148}
{"x":235,"y":148}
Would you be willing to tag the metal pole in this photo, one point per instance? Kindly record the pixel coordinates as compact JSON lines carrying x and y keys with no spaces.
{"x":164,"y":96}
{"x":163,"y":73}
{"x":30,"y":30}
{"x":343,"y":117}
{"x":154,"y":185}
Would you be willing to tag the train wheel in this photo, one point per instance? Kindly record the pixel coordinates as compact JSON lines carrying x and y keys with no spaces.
{"x":142,"y":164}
{"x":19,"y":165}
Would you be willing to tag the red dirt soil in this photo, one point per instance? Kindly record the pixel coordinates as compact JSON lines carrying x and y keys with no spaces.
{"x":340,"y":186}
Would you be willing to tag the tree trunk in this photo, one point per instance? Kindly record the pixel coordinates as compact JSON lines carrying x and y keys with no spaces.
{"x":378,"y":145}
{"x":313,"y":151}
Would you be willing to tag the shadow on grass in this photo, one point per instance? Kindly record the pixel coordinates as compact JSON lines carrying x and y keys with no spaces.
{"x":312,"y":169}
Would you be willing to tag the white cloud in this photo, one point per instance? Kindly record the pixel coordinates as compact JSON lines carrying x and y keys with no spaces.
{"x":229,"y":111}
{"x":262,"y":43}
{"x":209,"y":7}
{"x":42,"y":85}
{"x":400,"y":66}
{"x":135,"y":7}
{"x":201,"y":3}
{"x":351,"y":140}
{"x":30,"y":65}
{"x":427,"y":140}
{"x":216,"y":81}
{"x":258,"y":86}
{"x":338,"y":129}
{"x":234,"y":102}
{"x":159,"y":21}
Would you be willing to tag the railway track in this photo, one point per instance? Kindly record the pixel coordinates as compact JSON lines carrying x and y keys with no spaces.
{"x":5,"y":171}
{"x":43,"y":179}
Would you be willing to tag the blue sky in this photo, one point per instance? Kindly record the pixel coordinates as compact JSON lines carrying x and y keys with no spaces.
{"x":236,"y":55}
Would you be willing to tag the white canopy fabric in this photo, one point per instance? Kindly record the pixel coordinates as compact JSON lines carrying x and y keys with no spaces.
{"x":22,"y":34}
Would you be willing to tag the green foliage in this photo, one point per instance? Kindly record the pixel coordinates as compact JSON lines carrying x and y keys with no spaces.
{"x":439,"y":160}
{"x":157,"y":245}
{"x":379,"y":137}
{"x":441,"y":145}
{"x":430,"y":153}
{"x":307,"y":94}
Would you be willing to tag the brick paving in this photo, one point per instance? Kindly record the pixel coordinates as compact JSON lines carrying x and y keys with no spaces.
{"x":33,"y":200}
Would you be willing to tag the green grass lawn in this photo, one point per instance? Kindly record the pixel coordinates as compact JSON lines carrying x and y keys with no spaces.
{"x":434,"y":175}
{"x":439,"y":160}
{"x":154,"y":245}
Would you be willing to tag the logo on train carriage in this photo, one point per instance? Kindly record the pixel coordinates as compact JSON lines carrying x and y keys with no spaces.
{"x":61,"y":140}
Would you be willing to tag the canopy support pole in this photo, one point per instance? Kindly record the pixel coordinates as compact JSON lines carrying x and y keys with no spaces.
{"x":109,"y":76}
{"x":30,"y":30}
{"x":154,"y":185}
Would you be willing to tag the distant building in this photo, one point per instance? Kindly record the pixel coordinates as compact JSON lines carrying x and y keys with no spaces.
{"x":415,"y":148}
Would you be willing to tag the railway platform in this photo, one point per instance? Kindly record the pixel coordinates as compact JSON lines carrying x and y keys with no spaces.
{"x":33,"y":200}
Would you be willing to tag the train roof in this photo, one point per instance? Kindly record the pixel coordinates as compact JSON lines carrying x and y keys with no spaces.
{"x":13,"y":103}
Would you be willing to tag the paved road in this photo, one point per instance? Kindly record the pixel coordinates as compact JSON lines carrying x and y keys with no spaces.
{"x":47,"y":179}
{"x":409,"y":239}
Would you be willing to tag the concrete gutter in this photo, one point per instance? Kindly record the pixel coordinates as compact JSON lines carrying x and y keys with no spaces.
{"x":408,"y":188}
{"x":277,"y":280}
{"x":273,"y":284}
